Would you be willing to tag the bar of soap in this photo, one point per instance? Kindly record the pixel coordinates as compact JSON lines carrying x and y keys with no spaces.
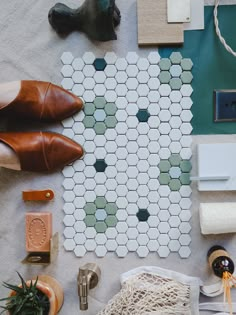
{"x":38,"y":231}
{"x":217,"y":218}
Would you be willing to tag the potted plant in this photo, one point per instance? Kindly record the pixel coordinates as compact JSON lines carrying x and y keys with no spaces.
{"x":40,"y":296}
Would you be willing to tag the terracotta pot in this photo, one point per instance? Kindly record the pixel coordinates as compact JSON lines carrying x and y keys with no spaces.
{"x":52,"y":289}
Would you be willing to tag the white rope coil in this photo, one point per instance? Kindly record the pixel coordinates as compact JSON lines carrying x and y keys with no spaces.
{"x":227,"y":47}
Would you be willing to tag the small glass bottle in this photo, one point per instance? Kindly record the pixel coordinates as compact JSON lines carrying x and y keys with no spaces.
{"x":220,"y":261}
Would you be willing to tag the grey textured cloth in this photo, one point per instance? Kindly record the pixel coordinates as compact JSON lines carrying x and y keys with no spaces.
{"x":30,"y":49}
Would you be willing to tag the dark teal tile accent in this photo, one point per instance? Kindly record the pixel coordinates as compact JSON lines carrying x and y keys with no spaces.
{"x":143,"y":115}
{"x":100,"y":64}
{"x":143,"y":215}
{"x":100,"y":165}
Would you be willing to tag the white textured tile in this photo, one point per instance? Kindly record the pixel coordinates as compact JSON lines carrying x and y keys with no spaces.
{"x":143,"y":77}
{"x":153,"y":245}
{"x":69,"y":244}
{"x":142,"y":251}
{"x":110,"y":58}
{"x":121,"y":64}
{"x":88,"y":58}
{"x":121,"y":251}
{"x":101,"y":251}
{"x":184,"y":252}
{"x":132,"y":245}
{"x":78,"y":64}
{"x":154,"y":70}
{"x":132,"y":83}
{"x":163,"y":251}
{"x":132,"y":57}
{"x":99,"y":90}
{"x":90,"y":245}
{"x":88,"y":71}
{"x":69,"y":232}
{"x":67,"y":71}
{"x":186,"y":90}
{"x":154,"y":57}
{"x":110,"y":70}
{"x":132,"y":96}
{"x":67,"y":83}
{"x":111,"y":245}
{"x":164,"y":90}
{"x":99,"y":77}
{"x":143,"y":64}
{"x":79,"y":238}
{"x":153,"y":83}
{"x":121,"y":77}
{"x":67,"y":58}
{"x":175,"y":70}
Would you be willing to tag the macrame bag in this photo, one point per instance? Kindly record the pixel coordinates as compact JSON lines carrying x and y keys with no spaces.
{"x":157,"y":291}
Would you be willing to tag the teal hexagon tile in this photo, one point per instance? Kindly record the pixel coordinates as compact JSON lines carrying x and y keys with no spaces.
{"x":99,"y":64}
{"x":99,"y":102}
{"x":110,"y":109}
{"x":89,"y":121}
{"x":175,"y":58}
{"x":111,"y":221}
{"x":164,"y":179}
{"x":175,"y":83}
{"x":185,"y":179}
{"x":99,"y":128}
{"x":174,"y":184}
{"x":186,"y":64}
{"x":89,"y":109}
{"x":185,"y":166}
{"x":110,"y":121}
{"x":90,"y":220}
{"x":90,"y":208}
{"x":186,"y":77}
{"x":164,"y":166}
{"x":164,"y":77}
{"x":165,"y":64}
{"x":100,"y":202}
{"x":175,"y":159}
{"x":100,"y":227}
{"x":111,"y":208}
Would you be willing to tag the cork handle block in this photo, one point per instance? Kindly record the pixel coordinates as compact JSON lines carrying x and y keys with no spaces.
{"x":38,"y":230}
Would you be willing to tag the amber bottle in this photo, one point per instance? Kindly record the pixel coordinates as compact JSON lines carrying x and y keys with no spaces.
{"x":220,"y":261}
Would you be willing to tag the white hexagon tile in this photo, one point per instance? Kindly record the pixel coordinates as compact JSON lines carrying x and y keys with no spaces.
{"x":131,"y":191}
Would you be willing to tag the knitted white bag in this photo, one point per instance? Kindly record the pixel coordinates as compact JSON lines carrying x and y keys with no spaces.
{"x":156,"y":291}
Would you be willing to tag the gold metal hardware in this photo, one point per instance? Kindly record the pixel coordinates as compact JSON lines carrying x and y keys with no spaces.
{"x":43,"y":258}
{"x":88,"y":277}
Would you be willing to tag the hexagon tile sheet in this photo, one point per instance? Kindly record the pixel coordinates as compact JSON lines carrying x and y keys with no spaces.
{"x":131,"y":191}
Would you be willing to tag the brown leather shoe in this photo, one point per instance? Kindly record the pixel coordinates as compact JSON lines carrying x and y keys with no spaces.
{"x":43,"y":101}
{"x":42,"y":151}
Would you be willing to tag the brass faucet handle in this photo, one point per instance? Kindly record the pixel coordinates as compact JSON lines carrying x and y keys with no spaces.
{"x":88,"y":277}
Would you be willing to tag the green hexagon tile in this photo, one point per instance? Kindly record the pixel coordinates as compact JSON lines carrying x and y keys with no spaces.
{"x":131,"y":191}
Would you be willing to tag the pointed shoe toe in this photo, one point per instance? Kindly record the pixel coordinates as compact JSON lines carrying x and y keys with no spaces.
{"x":43,"y":101}
{"x":42,"y":151}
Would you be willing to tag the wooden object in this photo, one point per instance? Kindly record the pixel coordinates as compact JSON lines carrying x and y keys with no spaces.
{"x":43,"y":258}
{"x":153,"y":28}
{"x":38,"y":230}
{"x":38,"y":195}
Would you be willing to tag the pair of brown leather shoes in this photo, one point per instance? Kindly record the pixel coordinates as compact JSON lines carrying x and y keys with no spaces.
{"x":46,"y":102}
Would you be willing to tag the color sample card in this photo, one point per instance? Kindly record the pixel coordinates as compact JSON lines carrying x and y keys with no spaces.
{"x":131,"y":191}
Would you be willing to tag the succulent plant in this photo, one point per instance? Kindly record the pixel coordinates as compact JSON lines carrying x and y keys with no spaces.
{"x":26,"y":299}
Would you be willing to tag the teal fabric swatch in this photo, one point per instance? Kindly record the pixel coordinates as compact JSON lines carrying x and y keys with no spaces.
{"x":214,"y":68}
